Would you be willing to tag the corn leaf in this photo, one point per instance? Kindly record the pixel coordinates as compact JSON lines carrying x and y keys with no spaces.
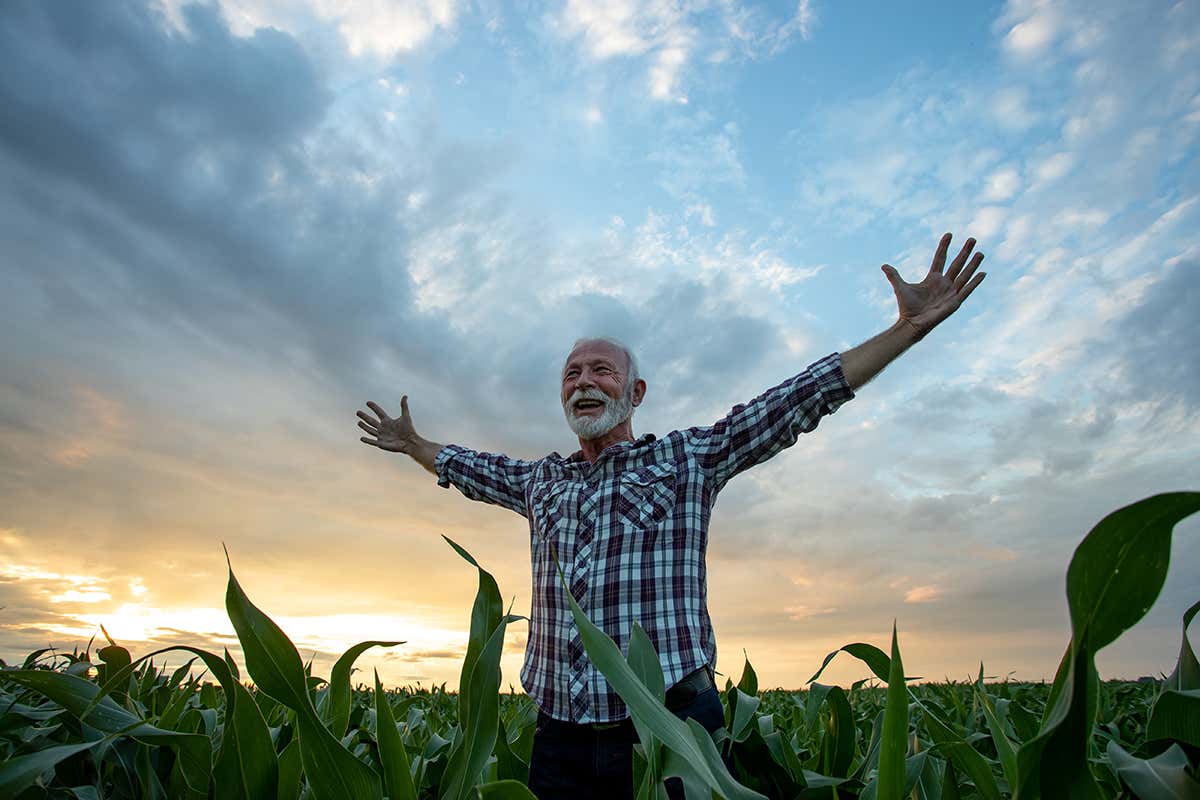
{"x":397,"y":770}
{"x":893,"y":744}
{"x":1114,"y":577}
{"x":333,"y":772}
{"x":337,"y":706}
{"x":1164,"y":777}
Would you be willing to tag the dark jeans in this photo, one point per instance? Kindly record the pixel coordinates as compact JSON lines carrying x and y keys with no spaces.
{"x":578,"y":762}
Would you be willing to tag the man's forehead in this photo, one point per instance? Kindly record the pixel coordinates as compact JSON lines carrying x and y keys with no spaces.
{"x":596,"y":351}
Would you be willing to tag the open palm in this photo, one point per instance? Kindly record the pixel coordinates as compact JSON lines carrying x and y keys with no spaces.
{"x":396,"y":435}
{"x":923,"y":305}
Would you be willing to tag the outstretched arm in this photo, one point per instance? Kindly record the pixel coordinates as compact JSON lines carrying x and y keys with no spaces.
{"x":921,"y":305}
{"x":398,"y":435}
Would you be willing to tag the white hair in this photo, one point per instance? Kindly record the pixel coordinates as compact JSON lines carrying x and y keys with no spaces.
{"x":631,"y":358}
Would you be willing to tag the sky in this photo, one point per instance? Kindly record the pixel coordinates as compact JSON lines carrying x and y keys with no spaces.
{"x":226,"y":226}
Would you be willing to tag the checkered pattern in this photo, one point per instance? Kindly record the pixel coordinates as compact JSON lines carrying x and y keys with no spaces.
{"x":631,"y":532}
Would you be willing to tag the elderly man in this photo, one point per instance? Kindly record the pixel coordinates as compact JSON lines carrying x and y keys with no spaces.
{"x":628,"y":518}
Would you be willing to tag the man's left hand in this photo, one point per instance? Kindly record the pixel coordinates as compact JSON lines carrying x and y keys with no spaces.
{"x":923,"y":305}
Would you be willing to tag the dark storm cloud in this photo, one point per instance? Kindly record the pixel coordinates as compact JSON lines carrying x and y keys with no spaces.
{"x":167,"y":177}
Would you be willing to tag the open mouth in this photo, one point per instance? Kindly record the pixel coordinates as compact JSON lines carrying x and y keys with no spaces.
{"x":589,"y":405}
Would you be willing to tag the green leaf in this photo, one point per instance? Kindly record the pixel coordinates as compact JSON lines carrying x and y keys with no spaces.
{"x":760,"y":770}
{"x":957,"y":750}
{"x":477,"y":737}
{"x":893,"y":745}
{"x":1114,"y":577}
{"x":869,"y":654}
{"x":290,"y":771}
{"x":397,"y":770}
{"x":333,"y":772}
{"x":1176,"y":715}
{"x":950,"y":784}
{"x":504,"y":790}
{"x":749,"y":681}
{"x":479,"y":702}
{"x":19,"y":773}
{"x":75,"y":694}
{"x":337,"y":714}
{"x":1187,"y":669}
{"x":643,"y":660}
{"x":509,"y":765}
{"x":1004,"y":746}
{"x":1163,"y":777}
{"x":271,"y":659}
{"x":837,"y":744}
{"x":485,"y":616}
{"x":245,"y":766}
{"x":1119,"y":568}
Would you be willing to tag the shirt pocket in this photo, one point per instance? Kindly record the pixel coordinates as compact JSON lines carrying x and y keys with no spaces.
{"x":547,"y":502}
{"x":646,"y":496}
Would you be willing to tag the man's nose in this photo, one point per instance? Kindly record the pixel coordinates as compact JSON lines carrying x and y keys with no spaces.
{"x":585,"y":380}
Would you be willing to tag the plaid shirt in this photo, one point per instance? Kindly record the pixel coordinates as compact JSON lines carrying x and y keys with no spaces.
{"x":631,"y":531}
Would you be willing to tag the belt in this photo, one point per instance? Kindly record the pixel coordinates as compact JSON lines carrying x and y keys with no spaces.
{"x":678,"y":696}
{"x":693,"y":684}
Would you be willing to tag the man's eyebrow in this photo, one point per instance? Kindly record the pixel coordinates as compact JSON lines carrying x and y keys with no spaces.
{"x":598,"y":360}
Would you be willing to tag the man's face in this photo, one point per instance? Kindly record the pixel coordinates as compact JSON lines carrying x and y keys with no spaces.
{"x":596,"y":392}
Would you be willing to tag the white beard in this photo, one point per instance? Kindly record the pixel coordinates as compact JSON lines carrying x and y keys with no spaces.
{"x":615,"y":412}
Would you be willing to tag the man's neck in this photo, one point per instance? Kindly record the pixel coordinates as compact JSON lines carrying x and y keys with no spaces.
{"x":592,"y":448}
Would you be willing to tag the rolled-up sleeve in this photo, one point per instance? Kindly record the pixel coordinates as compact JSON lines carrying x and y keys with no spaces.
{"x":486,"y":477}
{"x":753,"y":432}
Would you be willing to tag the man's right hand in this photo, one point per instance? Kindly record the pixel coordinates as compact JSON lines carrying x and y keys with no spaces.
{"x":397,"y":435}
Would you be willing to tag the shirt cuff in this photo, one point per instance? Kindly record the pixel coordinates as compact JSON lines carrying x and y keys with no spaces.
{"x":831,"y":382}
{"x":439,"y":463}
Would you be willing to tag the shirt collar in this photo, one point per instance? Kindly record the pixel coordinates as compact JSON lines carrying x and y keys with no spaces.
{"x":613,"y":450}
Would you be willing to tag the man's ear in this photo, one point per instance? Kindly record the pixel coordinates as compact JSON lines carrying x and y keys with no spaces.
{"x":639,"y":392}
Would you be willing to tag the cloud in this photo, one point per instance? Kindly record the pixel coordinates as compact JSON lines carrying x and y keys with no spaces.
{"x":923,"y":594}
{"x":218,"y":244}
{"x":669,"y":35}
{"x":378,"y":29}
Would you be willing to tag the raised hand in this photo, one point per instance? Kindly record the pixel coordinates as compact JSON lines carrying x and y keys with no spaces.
{"x":923,"y":305}
{"x":396,"y":435}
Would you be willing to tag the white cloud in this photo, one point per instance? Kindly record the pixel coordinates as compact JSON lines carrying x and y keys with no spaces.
{"x":1010,"y":108}
{"x":1002,"y":184}
{"x":670,"y":34}
{"x":1053,"y":167}
{"x":380,"y":29}
{"x":987,"y":222}
{"x":1037,"y":25}
{"x":1100,"y":114}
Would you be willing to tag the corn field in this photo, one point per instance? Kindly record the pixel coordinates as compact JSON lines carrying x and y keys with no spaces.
{"x":104,"y":725}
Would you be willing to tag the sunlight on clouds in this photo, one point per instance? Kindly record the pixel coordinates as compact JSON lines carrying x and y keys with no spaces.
{"x":1032,"y":35}
{"x":922,"y":594}
{"x":670,"y":33}
{"x":133,"y":623}
{"x":97,"y":421}
{"x":380,"y":29}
